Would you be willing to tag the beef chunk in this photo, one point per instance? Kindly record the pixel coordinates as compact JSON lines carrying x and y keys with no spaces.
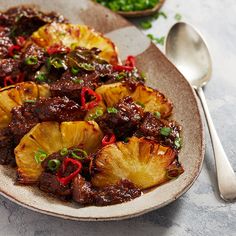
{"x":26,"y":20}
{"x":49,"y":183}
{"x":5,"y":42}
{"x":9,"y":67}
{"x":151,"y":128}
{"x":125,"y":120}
{"x":6,"y":151}
{"x":51,"y":109}
{"x":70,"y":86}
{"x":84,"y":193}
{"x":32,"y":50}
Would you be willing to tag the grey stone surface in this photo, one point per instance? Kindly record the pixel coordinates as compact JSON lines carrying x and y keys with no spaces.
{"x":199,"y":211}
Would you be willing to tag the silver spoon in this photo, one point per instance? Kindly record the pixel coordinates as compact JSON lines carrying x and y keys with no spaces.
{"x":188,"y":52}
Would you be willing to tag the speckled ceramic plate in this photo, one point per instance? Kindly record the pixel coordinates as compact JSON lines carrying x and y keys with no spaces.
{"x":163,"y":76}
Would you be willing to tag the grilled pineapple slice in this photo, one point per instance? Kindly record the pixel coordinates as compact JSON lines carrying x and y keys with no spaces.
{"x":15,"y":95}
{"x":141,"y":161}
{"x":152,"y":100}
{"x":51,"y":137}
{"x":70,"y":35}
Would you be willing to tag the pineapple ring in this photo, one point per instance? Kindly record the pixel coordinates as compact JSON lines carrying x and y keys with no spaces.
{"x":152,"y":100}
{"x":141,"y":161}
{"x":52,"y":137}
{"x":15,"y":95}
{"x":70,"y":35}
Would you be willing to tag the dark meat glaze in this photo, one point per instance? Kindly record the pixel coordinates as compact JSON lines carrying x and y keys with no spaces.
{"x":84,"y":193}
{"x":125,"y":121}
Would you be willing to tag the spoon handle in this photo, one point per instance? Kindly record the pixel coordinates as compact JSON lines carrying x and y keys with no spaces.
{"x":225,"y":173}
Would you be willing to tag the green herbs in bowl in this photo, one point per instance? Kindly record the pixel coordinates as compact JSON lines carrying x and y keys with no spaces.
{"x":133,"y":8}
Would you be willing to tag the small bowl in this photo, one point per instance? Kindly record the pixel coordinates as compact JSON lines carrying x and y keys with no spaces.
{"x":147,"y":12}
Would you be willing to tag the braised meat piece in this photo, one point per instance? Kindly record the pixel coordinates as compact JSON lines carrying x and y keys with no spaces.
{"x":70,"y":86}
{"x":164,"y":131}
{"x":5,"y":41}
{"x":123,"y":119}
{"x":26,"y":20}
{"x":6,"y":148}
{"x":9,"y":67}
{"x":49,"y":184}
{"x":85,"y":194}
{"x":32,"y":58}
{"x":51,"y":109}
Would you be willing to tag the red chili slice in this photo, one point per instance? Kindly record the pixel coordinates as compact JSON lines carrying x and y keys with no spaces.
{"x":20,"y":41}
{"x":66,"y":180}
{"x":130,"y":61}
{"x":108,"y":139}
{"x":122,"y":68}
{"x":57,"y":49}
{"x":12,"y":49}
{"x":8,"y":81}
{"x":87,"y":91}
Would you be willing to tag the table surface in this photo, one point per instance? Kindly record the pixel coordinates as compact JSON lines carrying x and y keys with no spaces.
{"x":199,"y":211}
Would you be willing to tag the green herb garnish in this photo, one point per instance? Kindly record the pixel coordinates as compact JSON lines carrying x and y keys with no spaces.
{"x":165,"y":131}
{"x":64,"y":151}
{"x":98,"y":112}
{"x":40,"y":156}
{"x":40,"y":77}
{"x":112,"y":110}
{"x":157,"y":114}
{"x":86,"y":66}
{"x":140,"y":104}
{"x":29,"y":101}
{"x":160,"y":40}
{"x":75,"y":70}
{"x":178,"y":142}
{"x":32,"y":60}
{"x":79,"y":153}
{"x":146,"y":24}
{"x":54,"y":164}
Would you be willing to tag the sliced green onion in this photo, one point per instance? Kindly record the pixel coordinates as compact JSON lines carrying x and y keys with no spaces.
{"x":77,"y":80}
{"x":57,"y":62}
{"x":112,"y":110}
{"x":157,"y":114}
{"x":140,"y":104}
{"x":54,"y":164}
{"x":64,"y":151}
{"x":16,"y":56}
{"x":165,"y":131}
{"x":32,"y":60}
{"x":75,"y":70}
{"x":40,"y":77}
{"x":86,"y":66}
{"x":126,"y":140}
{"x":121,"y":76}
{"x":178,"y":142}
{"x":29,"y":101}
{"x":40,"y":156}
{"x":84,"y":153}
{"x":98,"y":112}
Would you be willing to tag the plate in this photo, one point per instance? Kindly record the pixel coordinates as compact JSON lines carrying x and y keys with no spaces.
{"x":161,"y":75}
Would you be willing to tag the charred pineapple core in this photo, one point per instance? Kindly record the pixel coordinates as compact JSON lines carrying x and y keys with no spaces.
{"x":69,"y":35}
{"x":152,"y":100}
{"x":141,"y":161}
{"x":52,"y":137}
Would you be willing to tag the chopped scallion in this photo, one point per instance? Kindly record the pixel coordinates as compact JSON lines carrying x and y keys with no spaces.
{"x":64,"y":151}
{"x":40,"y":156}
{"x":31,"y":60}
{"x":54,"y":164}
{"x":112,"y":110}
{"x":165,"y":131}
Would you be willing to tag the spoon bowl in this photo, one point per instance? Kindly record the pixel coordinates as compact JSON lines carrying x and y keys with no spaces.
{"x":187,"y":50}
